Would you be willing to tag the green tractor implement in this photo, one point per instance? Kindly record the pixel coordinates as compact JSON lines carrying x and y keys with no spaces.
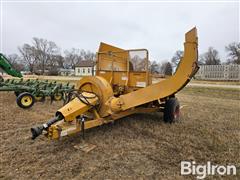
{"x":30,"y":91}
{"x":7,"y":67}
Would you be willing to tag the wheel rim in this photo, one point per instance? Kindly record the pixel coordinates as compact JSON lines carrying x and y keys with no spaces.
{"x":58,"y":96}
{"x":38,"y":98}
{"x":26,"y":100}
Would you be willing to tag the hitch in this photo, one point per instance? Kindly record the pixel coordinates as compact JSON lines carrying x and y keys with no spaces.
{"x":36,"y":131}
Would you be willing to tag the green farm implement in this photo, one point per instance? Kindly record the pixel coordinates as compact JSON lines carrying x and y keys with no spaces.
{"x":30,"y":91}
{"x":7,"y":67}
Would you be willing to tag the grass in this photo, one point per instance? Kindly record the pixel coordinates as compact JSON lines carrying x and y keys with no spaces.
{"x":216,"y":82}
{"x":223,"y":93}
{"x":140,"y":146}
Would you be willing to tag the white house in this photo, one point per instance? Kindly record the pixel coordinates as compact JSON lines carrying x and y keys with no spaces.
{"x":219,"y":72}
{"x":85,"y":68}
{"x":66,"y":72}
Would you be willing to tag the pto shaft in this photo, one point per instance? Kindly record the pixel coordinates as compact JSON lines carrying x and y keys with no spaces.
{"x":36,"y":131}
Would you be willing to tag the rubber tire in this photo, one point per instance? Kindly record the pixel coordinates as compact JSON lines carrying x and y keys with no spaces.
{"x":17,"y":93}
{"x":19,"y":98}
{"x":172,"y":107}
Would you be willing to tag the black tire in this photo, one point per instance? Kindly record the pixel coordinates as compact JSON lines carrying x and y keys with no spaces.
{"x":171,"y":110}
{"x":17,"y":93}
{"x":25,"y":100}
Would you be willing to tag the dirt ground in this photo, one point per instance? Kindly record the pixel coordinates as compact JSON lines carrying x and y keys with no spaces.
{"x":141,"y":146}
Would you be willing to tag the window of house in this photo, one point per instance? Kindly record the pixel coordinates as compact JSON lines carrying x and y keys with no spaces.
{"x":88,"y":70}
{"x":83,"y":70}
{"x":78,"y":70}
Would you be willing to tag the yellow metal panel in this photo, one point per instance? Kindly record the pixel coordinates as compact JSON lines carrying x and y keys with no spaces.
{"x":113,"y":65}
{"x":111,"y":58}
{"x":100,"y":87}
{"x":106,"y":75}
{"x":76,"y":107}
{"x":137,"y":79}
{"x":165,"y":88}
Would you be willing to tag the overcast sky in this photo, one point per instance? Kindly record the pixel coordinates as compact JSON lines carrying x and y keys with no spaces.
{"x":159,"y":27}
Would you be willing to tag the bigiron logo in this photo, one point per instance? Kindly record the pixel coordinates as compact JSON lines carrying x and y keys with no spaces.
{"x":202,"y":171}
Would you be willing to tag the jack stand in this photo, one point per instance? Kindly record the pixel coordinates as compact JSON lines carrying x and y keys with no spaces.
{"x":82,"y":126}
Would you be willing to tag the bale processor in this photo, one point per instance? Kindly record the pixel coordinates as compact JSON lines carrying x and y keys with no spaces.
{"x":122,"y":86}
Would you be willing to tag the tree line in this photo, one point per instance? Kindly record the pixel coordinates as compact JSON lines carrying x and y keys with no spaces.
{"x":211,"y":57}
{"x":44,"y":57}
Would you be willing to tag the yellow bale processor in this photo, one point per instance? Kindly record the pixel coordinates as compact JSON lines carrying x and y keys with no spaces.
{"x":122,"y":86}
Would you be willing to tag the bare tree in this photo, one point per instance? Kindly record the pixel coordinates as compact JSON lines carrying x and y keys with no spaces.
{"x":211,"y":57}
{"x":176,"y":58}
{"x":90,"y":56}
{"x":28,"y":57}
{"x":139,"y":63}
{"x":72,"y":57}
{"x":44,"y":51}
{"x":56,"y":62}
{"x":16,"y":62}
{"x":39,"y":55}
{"x":59,"y":60}
{"x":233,"y":50}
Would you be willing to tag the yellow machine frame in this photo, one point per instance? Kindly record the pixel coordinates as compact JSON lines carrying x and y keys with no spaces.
{"x":116,"y":93}
{"x":114,"y":65}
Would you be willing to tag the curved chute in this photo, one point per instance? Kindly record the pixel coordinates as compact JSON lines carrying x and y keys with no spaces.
{"x":187,"y":68}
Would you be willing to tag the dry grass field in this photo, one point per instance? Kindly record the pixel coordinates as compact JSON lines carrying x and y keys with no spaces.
{"x":141,"y":146}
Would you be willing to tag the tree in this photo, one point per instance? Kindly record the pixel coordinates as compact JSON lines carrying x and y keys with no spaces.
{"x":28,"y":56}
{"x":54,"y":64}
{"x":16,"y":62}
{"x":44,"y":51}
{"x":138,"y":63}
{"x":154,"y":67}
{"x":176,"y":58}
{"x":233,"y":50}
{"x":40,"y":55}
{"x":211,"y":57}
{"x":90,"y":56}
{"x":166,"y":68}
{"x":72,"y":57}
{"x":59,"y":60}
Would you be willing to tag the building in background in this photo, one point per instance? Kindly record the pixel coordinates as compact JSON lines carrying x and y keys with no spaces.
{"x":66,"y":72}
{"x":85,"y":68}
{"x":219,"y":72}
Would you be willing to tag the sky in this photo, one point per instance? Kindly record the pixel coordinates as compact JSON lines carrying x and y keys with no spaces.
{"x":158,"y":27}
